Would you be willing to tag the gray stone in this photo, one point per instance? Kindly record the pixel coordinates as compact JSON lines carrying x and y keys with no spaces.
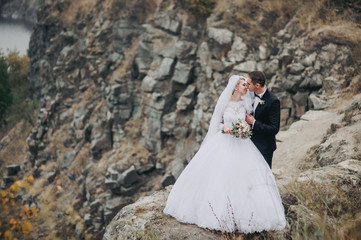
{"x":338,"y":170}
{"x":216,"y":65}
{"x":264,"y":52}
{"x":220,"y":35}
{"x":285,"y":114}
{"x":112,"y":173}
{"x":12,"y":170}
{"x":177,"y":166}
{"x":317,"y":65}
{"x":87,"y":220}
{"x":113,"y":206}
{"x":168,"y":22}
{"x":246,"y":66}
{"x":94,"y":207}
{"x":153,"y":128}
{"x":131,"y":190}
{"x":51,"y":176}
{"x":261,"y":65}
{"x":159,"y":166}
{"x":186,"y":98}
{"x":182,"y":50}
{"x":328,"y":55}
{"x":185,"y":50}
{"x":112,"y":184}
{"x":314,"y":82}
{"x":168,"y":122}
{"x":309,"y":60}
{"x":271,"y":67}
{"x":101,"y":140}
{"x":183,"y":103}
{"x":189,"y":33}
{"x":238,"y":51}
{"x":148,"y":84}
{"x":165,"y":69}
{"x":123,"y":31}
{"x":115,"y":57}
{"x":79,"y":118}
{"x":146,"y":168}
{"x":32,"y":145}
{"x":300,"y":99}
{"x":182,"y":73}
{"x":295,"y":68}
{"x":286,"y":58}
{"x":4,"y":142}
{"x":331,"y":85}
{"x":168,"y":179}
{"x":317,"y":103}
{"x":157,"y":101}
{"x":129,"y":177}
{"x":292,"y":82}
{"x":68,"y":158}
{"x":204,"y":55}
{"x":144,"y":55}
{"x":132,"y":222}
{"x":119,"y":104}
{"x":180,"y":132}
{"x":7,"y":181}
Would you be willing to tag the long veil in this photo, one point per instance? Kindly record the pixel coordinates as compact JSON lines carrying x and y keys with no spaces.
{"x":222,"y":103}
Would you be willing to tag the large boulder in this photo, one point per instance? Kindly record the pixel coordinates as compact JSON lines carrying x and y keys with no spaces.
{"x":221,"y":35}
{"x":145,"y":219}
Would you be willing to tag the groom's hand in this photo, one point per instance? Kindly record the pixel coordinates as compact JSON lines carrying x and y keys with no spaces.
{"x":250,"y":119}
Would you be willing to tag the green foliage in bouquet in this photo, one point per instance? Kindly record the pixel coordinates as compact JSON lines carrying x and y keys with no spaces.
{"x":240,"y":129}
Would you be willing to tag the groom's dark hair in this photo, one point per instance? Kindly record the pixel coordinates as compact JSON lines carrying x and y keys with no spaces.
{"x":257,"y":77}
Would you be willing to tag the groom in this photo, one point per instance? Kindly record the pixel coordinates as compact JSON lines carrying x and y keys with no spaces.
{"x":266,"y":118}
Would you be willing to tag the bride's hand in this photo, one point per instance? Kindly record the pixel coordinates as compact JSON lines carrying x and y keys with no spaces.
{"x":227,"y":129}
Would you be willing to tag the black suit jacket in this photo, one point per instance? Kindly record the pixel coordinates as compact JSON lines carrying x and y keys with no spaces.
{"x":267,"y":123}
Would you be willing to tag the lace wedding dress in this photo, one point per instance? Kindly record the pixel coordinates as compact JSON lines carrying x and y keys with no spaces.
{"x":228,"y":185}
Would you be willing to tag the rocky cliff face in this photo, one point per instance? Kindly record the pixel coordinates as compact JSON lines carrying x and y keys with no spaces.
{"x":127,"y":91}
{"x":20,"y":10}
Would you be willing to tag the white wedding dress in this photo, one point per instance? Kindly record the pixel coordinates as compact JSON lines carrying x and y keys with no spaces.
{"x":228,"y":185}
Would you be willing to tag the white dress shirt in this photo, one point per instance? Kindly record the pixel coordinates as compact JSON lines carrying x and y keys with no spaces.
{"x":255,"y":104}
{"x":257,"y":100}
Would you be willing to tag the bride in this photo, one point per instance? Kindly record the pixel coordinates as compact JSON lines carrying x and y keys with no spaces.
{"x":228,"y":185}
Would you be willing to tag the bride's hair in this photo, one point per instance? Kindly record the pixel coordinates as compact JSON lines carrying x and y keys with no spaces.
{"x":222,"y":103}
{"x":239,"y":80}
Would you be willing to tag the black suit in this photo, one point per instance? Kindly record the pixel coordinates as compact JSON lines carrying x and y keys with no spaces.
{"x":267,"y":125}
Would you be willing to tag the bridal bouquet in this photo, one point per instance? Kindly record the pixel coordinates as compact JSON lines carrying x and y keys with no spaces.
{"x":240,"y":129}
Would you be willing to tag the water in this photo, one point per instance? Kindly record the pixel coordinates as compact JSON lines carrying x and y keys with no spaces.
{"x":14,"y":35}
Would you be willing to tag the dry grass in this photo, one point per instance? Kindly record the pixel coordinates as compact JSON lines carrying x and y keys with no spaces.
{"x":324,"y":211}
{"x":54,"y":201}
{"x":136,"y":9}
{"x":260,"y":20}
{"x":131,"y":151}
{"x":126,"y":63}
{"x":78,"y":8}
{"x":16,"y":147}
{"x":81,"y":160}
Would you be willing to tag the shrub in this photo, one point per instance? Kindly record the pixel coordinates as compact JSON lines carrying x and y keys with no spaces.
{"x":14,"y":102}
{"x":16,"y":219}
{"x":5,"y":93}
{"x":202,"y":7}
